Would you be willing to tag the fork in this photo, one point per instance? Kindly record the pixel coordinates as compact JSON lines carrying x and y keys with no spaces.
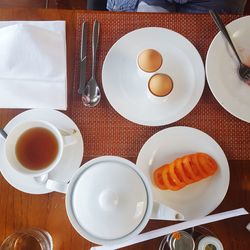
{"x":244,"y":70}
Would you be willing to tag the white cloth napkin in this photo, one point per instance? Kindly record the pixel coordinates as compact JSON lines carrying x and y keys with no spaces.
{"x":33,"y":64}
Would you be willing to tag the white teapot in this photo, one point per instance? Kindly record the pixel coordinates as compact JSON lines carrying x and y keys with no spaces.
{"x":109,"y":200}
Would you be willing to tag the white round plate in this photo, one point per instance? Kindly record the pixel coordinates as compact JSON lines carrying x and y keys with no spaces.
{"x":70,"y":162}
{"x":126,"y":90}
{"x":221,"y":69}
{"x":195,"y":200}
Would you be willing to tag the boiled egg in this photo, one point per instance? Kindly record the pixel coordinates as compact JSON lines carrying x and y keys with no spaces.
{"x":149,"y":60}
{"x":160,"y":84}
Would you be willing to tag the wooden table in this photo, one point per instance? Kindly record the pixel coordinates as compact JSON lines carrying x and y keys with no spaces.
{"x":20,"y":210}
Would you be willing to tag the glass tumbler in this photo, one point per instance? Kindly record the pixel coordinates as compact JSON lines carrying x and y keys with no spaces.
{"x":184,"y":241}
{"x":30,"y":239}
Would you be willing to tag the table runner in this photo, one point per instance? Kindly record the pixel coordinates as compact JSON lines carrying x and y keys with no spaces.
{"x":105,"y":132}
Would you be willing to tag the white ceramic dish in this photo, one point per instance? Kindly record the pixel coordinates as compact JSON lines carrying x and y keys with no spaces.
{"x":126,"y":90}
{"x":221,"y":69}
{"x":195,"y":200}
{"x":108,"y":200}
{"x":69,"y":163}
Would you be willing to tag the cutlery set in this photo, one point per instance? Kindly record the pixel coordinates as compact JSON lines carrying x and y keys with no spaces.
{"x":90,"y":91}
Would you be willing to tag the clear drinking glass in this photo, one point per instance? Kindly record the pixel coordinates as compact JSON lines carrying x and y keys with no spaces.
{"x":30,"y":239}
{"x":184,"y":241}
{"x":188,"y":239}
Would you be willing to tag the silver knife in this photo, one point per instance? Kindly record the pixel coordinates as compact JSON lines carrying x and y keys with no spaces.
{"x":83,"y":58}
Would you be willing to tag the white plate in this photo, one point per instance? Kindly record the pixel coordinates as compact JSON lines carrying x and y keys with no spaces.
{"x":221,"y":69}
{"x":69,"y":163}
{"x":126,"y":89}
{"x":197,"y":199}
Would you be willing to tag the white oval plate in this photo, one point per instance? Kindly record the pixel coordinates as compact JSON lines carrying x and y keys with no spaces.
{"x":126,"y":89}
{"x":195,"y":200}
{"x":70,"y":162}
{"x":221,"y":69}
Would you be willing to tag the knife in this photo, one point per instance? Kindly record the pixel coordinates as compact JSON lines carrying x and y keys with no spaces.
{"x":83,"y":58}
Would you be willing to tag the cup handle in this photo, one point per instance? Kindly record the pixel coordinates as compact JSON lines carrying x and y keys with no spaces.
{"x":69,"y":136}
{"x":162,"y":212}
{"x":53,"y":185}
{"x":57,"y":186}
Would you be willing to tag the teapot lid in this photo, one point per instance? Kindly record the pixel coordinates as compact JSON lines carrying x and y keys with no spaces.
{"x":109,"y":200}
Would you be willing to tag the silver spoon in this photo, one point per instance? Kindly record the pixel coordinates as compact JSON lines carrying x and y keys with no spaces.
{"x":3,"y":133}
{"x":91,"y":95}
{"x":244,"y":70}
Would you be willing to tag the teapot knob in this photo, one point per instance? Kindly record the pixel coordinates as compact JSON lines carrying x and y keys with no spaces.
{"x":108,"y":200}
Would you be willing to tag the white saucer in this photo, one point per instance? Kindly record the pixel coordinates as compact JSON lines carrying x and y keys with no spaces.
{"x":69,"y":163}
{"x":195,"y":200}
{"x":222,"y":69}
{"x":127,"y":91}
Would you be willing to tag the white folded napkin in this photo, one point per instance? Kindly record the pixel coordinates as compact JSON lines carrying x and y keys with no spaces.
{"x":33,"y":64}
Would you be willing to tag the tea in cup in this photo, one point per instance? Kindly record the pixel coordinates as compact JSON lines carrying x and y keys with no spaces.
{"x":35,"y":148}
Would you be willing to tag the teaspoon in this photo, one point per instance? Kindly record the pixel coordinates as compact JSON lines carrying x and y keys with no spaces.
{"x":3,"y":133}
{"x":91,"y":95}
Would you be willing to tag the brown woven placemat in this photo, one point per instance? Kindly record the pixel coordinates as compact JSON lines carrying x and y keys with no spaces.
{"x":105,"y":132}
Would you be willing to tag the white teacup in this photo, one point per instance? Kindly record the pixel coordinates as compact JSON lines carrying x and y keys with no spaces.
{"x":28,"y":131}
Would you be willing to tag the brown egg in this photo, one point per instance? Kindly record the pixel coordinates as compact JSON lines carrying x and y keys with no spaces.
{"x":160,"y":85}
{"x":150,"y":60}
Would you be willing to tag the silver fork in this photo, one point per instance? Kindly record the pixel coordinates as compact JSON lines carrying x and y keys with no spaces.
{"x":244,"y":70}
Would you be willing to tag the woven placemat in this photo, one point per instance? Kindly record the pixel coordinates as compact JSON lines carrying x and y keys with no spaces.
{"x":105,"y":132}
